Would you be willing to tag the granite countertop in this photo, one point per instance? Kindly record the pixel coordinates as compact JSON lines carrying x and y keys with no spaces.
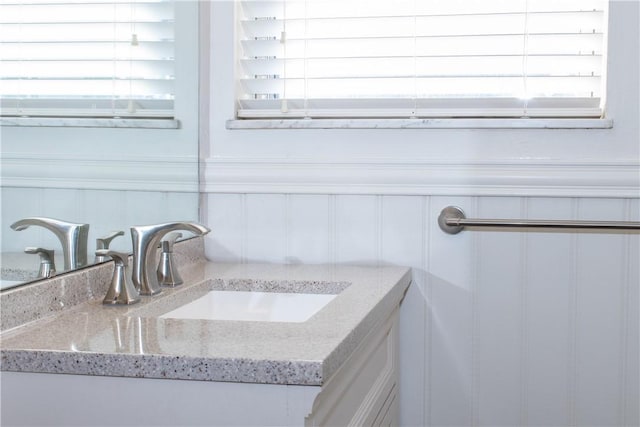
{"x":133,"y":341}
{"x":20,"y":267}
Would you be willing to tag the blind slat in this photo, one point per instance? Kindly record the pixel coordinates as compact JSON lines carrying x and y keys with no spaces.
{"x":338,"y":8}
{"x":294,"y":53}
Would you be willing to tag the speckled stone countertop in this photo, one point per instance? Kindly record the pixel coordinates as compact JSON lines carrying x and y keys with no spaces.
{"x":22,"y":266}
{"x":132,"y":341}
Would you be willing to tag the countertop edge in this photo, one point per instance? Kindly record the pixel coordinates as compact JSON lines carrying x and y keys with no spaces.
{"x":159,"y":366}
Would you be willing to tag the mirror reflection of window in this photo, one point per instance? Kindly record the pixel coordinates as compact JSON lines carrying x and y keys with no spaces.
{"x":98,"y":59}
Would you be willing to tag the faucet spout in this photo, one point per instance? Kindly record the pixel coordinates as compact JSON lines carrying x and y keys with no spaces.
{"x":145,"y":239}
{"x":73,"y":237}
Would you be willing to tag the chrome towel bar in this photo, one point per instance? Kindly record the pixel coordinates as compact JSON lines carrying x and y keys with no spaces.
{"x":452,"y":220}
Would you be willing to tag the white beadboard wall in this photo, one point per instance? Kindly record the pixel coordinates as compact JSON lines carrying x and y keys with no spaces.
{"x":499,"y":328}
{"x":104,"y":210}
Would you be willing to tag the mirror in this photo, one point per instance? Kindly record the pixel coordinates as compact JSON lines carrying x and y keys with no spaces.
{"x":108,"y":173}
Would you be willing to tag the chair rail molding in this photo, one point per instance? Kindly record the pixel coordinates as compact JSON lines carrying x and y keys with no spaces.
{"x":422,"y":177}
{"x":148,"y":173}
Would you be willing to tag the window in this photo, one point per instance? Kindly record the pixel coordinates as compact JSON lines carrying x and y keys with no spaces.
{"x":94,"y":58}
{"x":419,"y":58}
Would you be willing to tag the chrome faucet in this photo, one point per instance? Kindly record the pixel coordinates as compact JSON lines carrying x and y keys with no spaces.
{"x":47,"y":261}
{"x":73,"y":238}
{"x":145,"y":239}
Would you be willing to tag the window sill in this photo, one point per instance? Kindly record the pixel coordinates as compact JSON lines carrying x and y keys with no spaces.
{"x":462,"y":123}
{"x":90,"y":122}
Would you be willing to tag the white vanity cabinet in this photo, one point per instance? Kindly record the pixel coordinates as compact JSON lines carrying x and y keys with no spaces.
{"x":362,"y":391}
{"x":91,"y":365}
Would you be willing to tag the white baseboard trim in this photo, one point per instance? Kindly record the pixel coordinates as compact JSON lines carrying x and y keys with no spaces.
{"x":139,"y":174}
{"x":610,"y":179}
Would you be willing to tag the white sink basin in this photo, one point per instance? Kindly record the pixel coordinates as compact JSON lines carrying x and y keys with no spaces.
{"x":254,"y":306}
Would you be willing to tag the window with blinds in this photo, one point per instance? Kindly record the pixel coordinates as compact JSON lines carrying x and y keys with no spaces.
{"x":94,"y":58}
{"x":421,"y":58}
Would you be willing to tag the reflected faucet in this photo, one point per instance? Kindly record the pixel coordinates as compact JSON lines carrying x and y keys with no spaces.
{"x":47,"y":261}
{"x":73,"y":238}
{"x":145,"y":239}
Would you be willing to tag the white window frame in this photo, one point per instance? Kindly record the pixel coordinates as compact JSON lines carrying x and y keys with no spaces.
{"x":185,"y":85}
{"x":419,"y":123}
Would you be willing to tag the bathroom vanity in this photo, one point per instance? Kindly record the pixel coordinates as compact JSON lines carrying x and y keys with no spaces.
{"x":177,"y":359}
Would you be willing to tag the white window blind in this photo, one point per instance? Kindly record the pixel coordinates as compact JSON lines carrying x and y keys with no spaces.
{"x":93,"y":58}
{"x":421,"y":58}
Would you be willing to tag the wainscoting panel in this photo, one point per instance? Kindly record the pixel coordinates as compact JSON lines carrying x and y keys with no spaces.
{"x":497,"y":312}
{"x":630,"y":367}
{"x":225,"y":217}
{"x":309,"y":229}
{"x":403,"y":232}
{"x":450,"y":283}
{"x":357,"y":229}
{"x":265,"y":221}
{"x":499,"y":327}
{"x":601,"y":266}
{"x":548,"y":315}
{"x":104,"y":210}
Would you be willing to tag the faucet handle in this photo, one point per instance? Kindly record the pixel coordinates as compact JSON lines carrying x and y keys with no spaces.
{"x":167,"y":271}
{"x":47,"y":262}
{"x":121,"y":291}
{"x":104,"y":242}
{"x":170,"y":239}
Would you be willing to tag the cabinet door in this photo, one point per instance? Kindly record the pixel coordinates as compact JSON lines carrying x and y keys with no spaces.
{"x":362,"y":392}
{"x":390,"y":411}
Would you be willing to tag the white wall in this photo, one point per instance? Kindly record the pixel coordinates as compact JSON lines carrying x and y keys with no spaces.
{"x":498,"y":328}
